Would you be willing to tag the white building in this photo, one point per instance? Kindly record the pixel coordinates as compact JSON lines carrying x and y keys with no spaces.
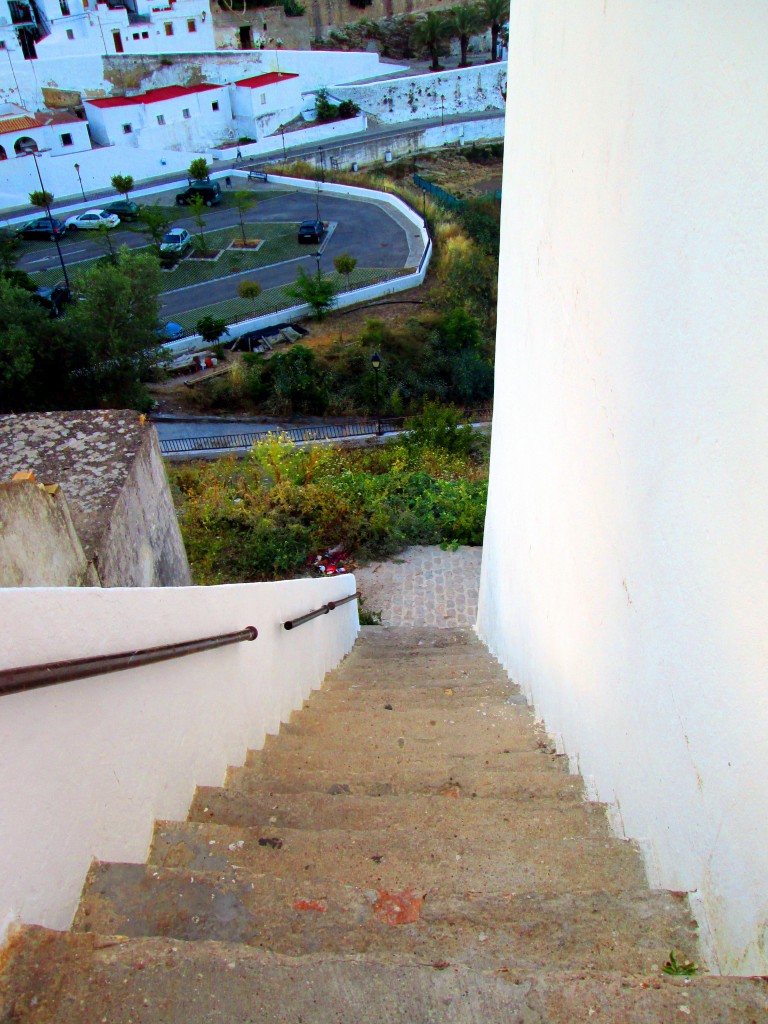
{"x":54,"y":29}
{"x":262,"y":103}
{"x":22,"y":133}
{"x":175,"y":118}
{"x":624,"y":579}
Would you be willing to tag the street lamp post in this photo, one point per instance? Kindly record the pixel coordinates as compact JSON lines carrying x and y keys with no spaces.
{"x":77,"y":168}
{"x":318,"y":254}
{"x":442,"y":111}
{"x":376,"y":363}
{"x":282,"y":136}
{"x":50,"y":219}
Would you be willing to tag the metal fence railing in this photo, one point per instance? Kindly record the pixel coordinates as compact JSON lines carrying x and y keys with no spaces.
{"x":320,"y":432}
{"x":441,"y":196}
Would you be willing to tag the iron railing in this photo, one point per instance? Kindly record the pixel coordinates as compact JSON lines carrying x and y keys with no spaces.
{"x":331,"y":606}
{"x":33,"y":677}
{"x":321,"y":432}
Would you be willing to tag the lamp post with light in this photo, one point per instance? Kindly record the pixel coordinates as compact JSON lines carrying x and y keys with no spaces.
{"x":376,"y":363}
{"x":77,"y":168}
{"x":281,"y":129}
{"x":50,"y":216}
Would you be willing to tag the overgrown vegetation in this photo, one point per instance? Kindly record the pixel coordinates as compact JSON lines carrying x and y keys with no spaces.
{"x":326,"y":111}
{"x":260,"y":518}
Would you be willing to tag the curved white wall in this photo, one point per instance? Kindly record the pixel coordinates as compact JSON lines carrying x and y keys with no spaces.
{"x":624,"y":578}
{"x":86,"y":766}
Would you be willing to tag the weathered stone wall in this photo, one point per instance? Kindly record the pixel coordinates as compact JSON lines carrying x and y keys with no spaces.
{"x":38,"y":543}
{"x":142,"y":546}
{"x":461,"y":91}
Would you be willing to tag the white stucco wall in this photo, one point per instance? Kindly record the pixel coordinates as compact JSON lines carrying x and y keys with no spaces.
{"x":87,"y":766}
{"x":460,"y":91}
{"x":623,"y":579}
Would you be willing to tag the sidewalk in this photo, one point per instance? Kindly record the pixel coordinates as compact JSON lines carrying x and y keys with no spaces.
{"x":424,"y":586}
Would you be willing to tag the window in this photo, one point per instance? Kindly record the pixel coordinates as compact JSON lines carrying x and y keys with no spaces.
{"x":191,"y":26}
{"x":263,"y":98}
{"x":66,"y":139}
{"x":64,"y":8}
{"x":70,"y":34}
{"x":145,"y":35}
{"x":169,"y":28}
{"x":135,"y":35}
{"x":161,"y":118}
{"x":185,"y":112}
{"x":127,"y":129}
{"x":215,"y":105}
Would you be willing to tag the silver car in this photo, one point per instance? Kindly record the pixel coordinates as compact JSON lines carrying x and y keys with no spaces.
{"x":176,"y":241}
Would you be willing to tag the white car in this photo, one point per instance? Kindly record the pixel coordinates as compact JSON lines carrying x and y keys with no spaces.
{"x":94,"y":219}
{"x":176,"y":241}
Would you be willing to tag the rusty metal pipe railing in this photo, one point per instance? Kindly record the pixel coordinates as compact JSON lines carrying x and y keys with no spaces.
{"x":293,"y":623}
{"x":33,"y":677}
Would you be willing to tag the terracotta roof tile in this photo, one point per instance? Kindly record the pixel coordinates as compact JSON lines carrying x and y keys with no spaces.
{"x":18,"y":124}
{"x":271,"y":78}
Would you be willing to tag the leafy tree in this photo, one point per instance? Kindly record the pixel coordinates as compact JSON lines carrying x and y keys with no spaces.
{"x":297,"y":384}
{"x":96,"y":354}
{"x":467,"y":20}
{"x":114,"y":326}
{"x":243,"y":202}
{"x":22,"y":329}
{"x":318,"y":291}
{"x":198,"y":208}
{"x":155,"y":221}
{"x":199,"y":169}
{"x":324,"y":110}
{"x":348,"y":108}
{"x":250,"y":290}
{"x":495,"y":13}
{"x":345,"y":264}
{"x":103,"y":236}
{"x":430,"y":34}
{"x":9,"y":253}
{"x":211,"y":328}
{"x":122,"y":183}
{"x":41,"y":199}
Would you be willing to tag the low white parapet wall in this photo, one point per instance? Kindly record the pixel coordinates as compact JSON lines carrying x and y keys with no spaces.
{"x":324,"y":134}
{"x":87,"y":766}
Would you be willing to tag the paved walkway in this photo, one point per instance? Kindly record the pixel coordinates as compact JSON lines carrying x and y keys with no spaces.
{"x":424,"y":586}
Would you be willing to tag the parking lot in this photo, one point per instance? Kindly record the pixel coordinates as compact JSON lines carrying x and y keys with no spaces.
{"x":365,"y":230}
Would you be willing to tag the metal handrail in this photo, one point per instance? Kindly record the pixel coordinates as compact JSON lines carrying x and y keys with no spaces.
{"x":293,"y":623}
{"x":33,"y":677}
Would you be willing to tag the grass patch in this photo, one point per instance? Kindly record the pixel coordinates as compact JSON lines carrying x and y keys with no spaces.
{"x":273,"y":299}
{"x":260,"y":518}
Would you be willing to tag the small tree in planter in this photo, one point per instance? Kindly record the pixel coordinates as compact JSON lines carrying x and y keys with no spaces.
{"x":122,"y":183}
{"x":198,"y":209}
{"x":250,"y":290}
{"x":155,"y":221}
{"x":199,"y":169}
{"x":345,"y":264}
{"x":243,"y":202}
{"x":41,"y":199}
{"x":319,"y":292}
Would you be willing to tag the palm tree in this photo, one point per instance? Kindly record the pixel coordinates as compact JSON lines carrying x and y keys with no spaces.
{"x":467,"y":20}
{"x":495,"y":13}
{"x":429,"y":34}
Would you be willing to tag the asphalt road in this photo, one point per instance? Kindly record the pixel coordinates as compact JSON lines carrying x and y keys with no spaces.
{"x":364,"y":230}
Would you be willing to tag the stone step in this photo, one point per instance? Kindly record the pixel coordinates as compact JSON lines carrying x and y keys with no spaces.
{"x":414,"y":671}
{"x":314,"y":797}
{"x":401,"y":759}
{"x":595,"y":929}
{"x":86,"y":979}
{"x":412,"y":697}
{"x":459,"y":850}
{"x":489,"y":721}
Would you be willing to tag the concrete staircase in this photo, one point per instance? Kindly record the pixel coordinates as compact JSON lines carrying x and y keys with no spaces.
{"x":409,"y":848}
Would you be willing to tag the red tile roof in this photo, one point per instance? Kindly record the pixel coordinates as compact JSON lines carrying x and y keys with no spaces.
{"x":270,"y":78}
{"x":18,"y":124}
{"x":170,"y":92}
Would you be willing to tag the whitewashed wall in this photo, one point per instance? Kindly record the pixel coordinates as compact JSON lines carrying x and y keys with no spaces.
{"x":463,"y":91}
{"x":87,"y":766}
{"x":624,"y":581}
{"x":324,"y":133}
